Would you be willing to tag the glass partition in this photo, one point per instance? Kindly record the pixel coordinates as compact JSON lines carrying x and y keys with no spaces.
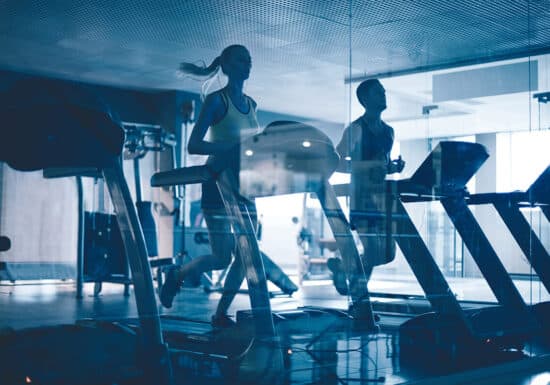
{"x":375,"y":174}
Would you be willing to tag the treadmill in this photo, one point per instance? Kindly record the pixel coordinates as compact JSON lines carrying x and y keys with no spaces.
{"x":450,"y":334}
{"x":62,"y":125}
{"x":508,"y":205}
{"x":286,"y":157}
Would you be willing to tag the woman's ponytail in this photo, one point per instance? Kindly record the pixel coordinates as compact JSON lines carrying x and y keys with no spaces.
{"x":193,"y":69}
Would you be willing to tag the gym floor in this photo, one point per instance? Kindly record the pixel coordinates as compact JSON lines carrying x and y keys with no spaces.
{"x":359,"y":359}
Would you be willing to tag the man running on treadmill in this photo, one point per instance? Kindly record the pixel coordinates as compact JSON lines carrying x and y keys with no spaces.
{"x":365,"y":152}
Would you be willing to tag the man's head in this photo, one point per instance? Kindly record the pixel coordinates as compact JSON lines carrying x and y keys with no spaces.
{"x":372,"y":95}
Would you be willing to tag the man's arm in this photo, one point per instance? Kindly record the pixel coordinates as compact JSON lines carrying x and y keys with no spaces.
{"x":398,"y":164}
{"x":344,"y":148}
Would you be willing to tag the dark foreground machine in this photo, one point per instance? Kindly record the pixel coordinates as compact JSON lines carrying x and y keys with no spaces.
{"x":508,"y":205}
{"x":451,"y":335}
{"x":49,"y":124}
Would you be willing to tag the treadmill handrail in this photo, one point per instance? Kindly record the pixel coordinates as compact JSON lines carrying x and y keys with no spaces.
{"x":182,"y":176}
{"x":489,"y":198}
{"x":410,"y":191}
{"x":536,"y":195}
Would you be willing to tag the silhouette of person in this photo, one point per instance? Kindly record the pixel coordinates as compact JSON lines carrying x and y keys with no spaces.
{"x":365,"y":152}
{"x":228,"y":115}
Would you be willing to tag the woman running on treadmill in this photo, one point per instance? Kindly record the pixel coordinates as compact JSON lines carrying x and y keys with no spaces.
{"x":229,"y":116}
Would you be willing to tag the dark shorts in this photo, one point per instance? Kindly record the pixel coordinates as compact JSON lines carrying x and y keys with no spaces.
{"x":211,"y":197}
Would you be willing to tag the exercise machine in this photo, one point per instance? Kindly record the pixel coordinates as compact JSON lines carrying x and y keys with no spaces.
{"x":5,"y":245}
{"x":451,"y":334}
{"x":508,"y":205}
{"x":100,"y":255}
{"x":64,"y":125}
{"x":286,"y":157}
{"x":140,"y":140}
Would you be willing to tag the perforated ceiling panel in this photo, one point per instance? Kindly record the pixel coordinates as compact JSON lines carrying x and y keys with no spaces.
{"x":300,"y":48}
{"x":411,"y":36}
